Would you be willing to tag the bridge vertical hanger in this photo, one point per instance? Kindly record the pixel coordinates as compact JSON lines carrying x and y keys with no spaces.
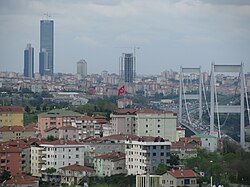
{"x":225,"y":108}
{"x":190,"y":96}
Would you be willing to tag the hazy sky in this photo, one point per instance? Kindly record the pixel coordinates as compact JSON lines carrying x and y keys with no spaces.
{"x":170,"y":33}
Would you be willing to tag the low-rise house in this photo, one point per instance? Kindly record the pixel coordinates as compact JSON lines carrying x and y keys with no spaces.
{"x":53,"y":131}
{"x":21,"y":181}
{"x":76,"y":174}
{"x":208,"y":142}
{"x":8,"y":133}
{"x":110,"y":164}
{"x":183,"y":150}
{"x":176,"y":178}
{"x":68,"y":133}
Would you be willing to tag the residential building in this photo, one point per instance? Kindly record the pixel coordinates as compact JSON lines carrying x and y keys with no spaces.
{"x":15,"y":157}
{"x":180,"y":133}
{"x":56,"y":118}
{"x":87,"y":126}
{"x":11,"y":116}
{"x":8,"y":133}
{"x":156,"y":123}
{"x":47,"y":45}
{"x":82,"y":68}
{"x":29,"y":62}
{"x":76,"y":174}
{"x":176,"y":178}
{"x":37,"y":160}
{"x":145,"y":122}
{"x":53,"y":131}
{"x":208,"y":142}
{"x":152,"y":180}
{"x":110,"y":164}
{"x":183,"y":150}
{"x":146,"y":152}
{"x":68,"y":133}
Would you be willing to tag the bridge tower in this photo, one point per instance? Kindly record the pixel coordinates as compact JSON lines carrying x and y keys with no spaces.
{"x":227,"y":108}
{"x":184,"y":96}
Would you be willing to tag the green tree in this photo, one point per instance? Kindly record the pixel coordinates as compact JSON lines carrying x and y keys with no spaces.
{"x":5,"y":175}
{"x":161,"y":168}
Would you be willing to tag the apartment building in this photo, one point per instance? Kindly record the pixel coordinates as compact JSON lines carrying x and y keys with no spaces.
{"x":56,"y":118}
{"x":87,"y":126}
{"x":110,"y":164}
{"x":11,"y":116}
{"x":68,"y":133}
{"x":15,"y":157}
{"x":146,"y":152}
{"x":55,"y":154}
{"x":145,"y":122}
{"x":183,"y":150}
{"x":8,"y":133}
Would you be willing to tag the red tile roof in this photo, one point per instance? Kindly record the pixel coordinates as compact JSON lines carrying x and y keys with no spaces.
{"x":182,"y":145}
{"x":62,"y":142}
{"x":21,"y":179}
{"x":68,"y":127}
{"x":50,"y":129}
{"x":186,"y":173}
{"x":86,"y":118}
{"x":17,"y":128}
{"x":121,"y":137}
{"x":11,"y":109}
{"x":76,"y":167}
{"x":125,"y":111}
{"x":114,"y":156}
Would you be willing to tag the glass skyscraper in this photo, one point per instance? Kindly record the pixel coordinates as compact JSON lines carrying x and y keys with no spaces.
{"x":127,"y":67}
{"x":46,"y":55}
{"x":28,"y":62}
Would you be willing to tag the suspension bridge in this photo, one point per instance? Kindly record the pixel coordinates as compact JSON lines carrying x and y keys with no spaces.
{"x":193,"y":101}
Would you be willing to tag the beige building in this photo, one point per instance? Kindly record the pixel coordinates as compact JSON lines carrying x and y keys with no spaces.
{"x":174,"y":178}
{"x":17,"y":132}
{"x":183,"y":150}
{"x":56,"y":118}
{"x":11,"y":116}
{"x":37,"y":161}
{"x":145,"y":122}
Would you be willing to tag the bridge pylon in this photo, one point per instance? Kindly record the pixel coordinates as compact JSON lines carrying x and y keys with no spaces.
{"x":186,"y":96}
{"x":216,"y":108}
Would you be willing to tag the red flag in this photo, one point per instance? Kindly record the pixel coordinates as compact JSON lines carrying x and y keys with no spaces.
{"x":121,"y":90}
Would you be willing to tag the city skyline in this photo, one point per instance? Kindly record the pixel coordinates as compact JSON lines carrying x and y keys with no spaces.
{"x":169,"y":34}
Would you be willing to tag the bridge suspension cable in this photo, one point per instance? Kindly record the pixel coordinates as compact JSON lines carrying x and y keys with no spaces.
{"x":248,"y":112}
{"x":205,"y":97}
{"x":217,"y":108}
{"x":185,"y":100}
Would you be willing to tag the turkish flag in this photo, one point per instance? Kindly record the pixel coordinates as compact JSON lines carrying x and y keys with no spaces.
{"x":121,"y":90}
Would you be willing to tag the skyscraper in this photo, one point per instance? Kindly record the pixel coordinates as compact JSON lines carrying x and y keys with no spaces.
{"x":127,"y":67}
{"x":46,"y":64}
{"x":82,"y":67}
{"x":29,"y":61}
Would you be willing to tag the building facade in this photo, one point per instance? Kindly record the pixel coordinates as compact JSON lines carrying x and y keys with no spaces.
{"x":47,"y":45}
{"x":82,"y":68}
{"x":127,"y":67}
{"x":29,"y":62}
{"x":145,"y":123}
{"x":146,"y":153}
{"x":11,"y":116}
{"x":110,"y":164}
{"x":55,"y":118}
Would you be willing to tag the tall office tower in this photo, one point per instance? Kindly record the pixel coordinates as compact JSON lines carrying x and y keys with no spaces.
{"x":44,"y":62}
{"x":46,"y":45}
{"x":82,"y":68}
{"x":127,"y":67}
{"x":29,"y":61}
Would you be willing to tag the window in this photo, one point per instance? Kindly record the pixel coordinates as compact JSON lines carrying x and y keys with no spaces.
{"x":162,"y":154}
{"x":159,"y":131}
{"x":146,"y":125}
{"x":77,"y":149}
{"x":186,"y":181}
{"x":159,"y":126}
{"x":162,"y":146}
{"x":77,"y":156}
{"x":154,"y":154}
{"x":154,"y":147}
{"x":146,"y":131}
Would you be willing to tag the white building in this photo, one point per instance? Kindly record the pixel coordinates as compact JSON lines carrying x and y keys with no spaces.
{"x":208,"y":141}
{"x":146,"y":152}
{"x":82,"y":68}
{"x":36,"y":161}
{"x":60,"y":153}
